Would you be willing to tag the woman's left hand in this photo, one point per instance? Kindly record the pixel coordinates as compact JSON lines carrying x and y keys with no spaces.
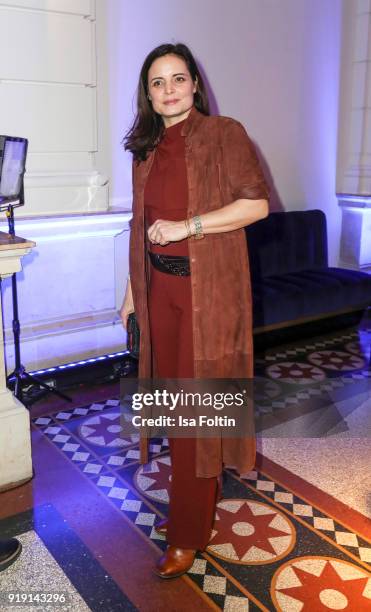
{"x":162,"y":232}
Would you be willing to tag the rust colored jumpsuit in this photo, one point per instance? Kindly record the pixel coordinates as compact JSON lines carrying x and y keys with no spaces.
{"x":192,"y":499}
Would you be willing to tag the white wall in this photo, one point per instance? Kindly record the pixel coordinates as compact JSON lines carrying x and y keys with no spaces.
{"x":69,"y":289}
{"x":68,"y":76}
{"x":272,"y":64}
{"x":48,"y":95}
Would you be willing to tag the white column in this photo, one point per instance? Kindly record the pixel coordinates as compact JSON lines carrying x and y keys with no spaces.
{"x":15,"y":440}
{"x":354,"y":136}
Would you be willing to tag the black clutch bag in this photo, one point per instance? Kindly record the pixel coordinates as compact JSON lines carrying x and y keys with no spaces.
{"x":133,"y":336}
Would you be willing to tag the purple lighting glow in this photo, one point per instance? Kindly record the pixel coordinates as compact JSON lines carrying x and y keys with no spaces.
{"x":77,"y":363}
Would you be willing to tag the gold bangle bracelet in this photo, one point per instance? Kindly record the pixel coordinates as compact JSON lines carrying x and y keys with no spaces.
{"x":198,"y":227}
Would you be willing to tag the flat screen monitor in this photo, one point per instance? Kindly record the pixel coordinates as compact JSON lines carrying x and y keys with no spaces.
{"x":13,"y":153}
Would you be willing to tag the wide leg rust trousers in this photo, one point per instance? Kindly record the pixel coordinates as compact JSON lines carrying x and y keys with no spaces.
{"x":192,"y":499}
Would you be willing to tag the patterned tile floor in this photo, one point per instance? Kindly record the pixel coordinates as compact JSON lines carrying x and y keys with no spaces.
{"x":55,"y":561}
{"x":271,"y":548}
{"x":314,"y":377}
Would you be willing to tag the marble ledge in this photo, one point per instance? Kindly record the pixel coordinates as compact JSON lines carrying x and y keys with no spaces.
{"x":99,"y":213}
{"x":8,"y":242}
{"x":347,"y":200}
{"x":76,"y":225}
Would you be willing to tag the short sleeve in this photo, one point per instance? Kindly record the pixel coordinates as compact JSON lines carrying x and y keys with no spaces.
{"x":245,"y":174}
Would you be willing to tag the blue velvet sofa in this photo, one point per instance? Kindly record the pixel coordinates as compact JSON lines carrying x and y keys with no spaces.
{"x":291,"y":280}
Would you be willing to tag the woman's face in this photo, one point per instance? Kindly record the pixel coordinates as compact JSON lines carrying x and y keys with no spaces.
{"x":171,"y":89}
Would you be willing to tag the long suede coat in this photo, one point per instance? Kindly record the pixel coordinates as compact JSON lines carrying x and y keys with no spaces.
{"x":222,"y":166}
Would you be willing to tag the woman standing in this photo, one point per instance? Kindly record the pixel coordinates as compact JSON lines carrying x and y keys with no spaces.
{"x":196,"y":183}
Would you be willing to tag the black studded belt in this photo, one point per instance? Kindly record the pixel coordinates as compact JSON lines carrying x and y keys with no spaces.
{"x":170,"y":264}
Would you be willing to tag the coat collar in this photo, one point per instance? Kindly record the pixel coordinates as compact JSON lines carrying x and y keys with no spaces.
{"x":191,"y":125}
{"x":193,"y":121}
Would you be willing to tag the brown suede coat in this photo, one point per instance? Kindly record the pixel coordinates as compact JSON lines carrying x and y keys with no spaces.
{"x":222,"y":166}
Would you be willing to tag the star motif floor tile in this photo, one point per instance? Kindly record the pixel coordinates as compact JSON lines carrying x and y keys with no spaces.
{"x":250,"y":532}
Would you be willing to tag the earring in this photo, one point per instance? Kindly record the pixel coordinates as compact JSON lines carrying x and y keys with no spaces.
{"x":149,"y":97}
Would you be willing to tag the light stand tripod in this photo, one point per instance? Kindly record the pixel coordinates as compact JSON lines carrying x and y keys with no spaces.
{"x":19,"y":376}
{"x":13,"y":153}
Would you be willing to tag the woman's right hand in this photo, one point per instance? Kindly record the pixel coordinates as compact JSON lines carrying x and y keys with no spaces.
{"x":127,"y":305}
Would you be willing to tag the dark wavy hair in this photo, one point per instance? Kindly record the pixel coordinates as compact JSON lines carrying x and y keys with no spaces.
{"x":148,"y":127}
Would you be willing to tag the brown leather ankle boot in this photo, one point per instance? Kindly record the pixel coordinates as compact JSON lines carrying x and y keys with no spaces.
{"x":175,"y":562}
